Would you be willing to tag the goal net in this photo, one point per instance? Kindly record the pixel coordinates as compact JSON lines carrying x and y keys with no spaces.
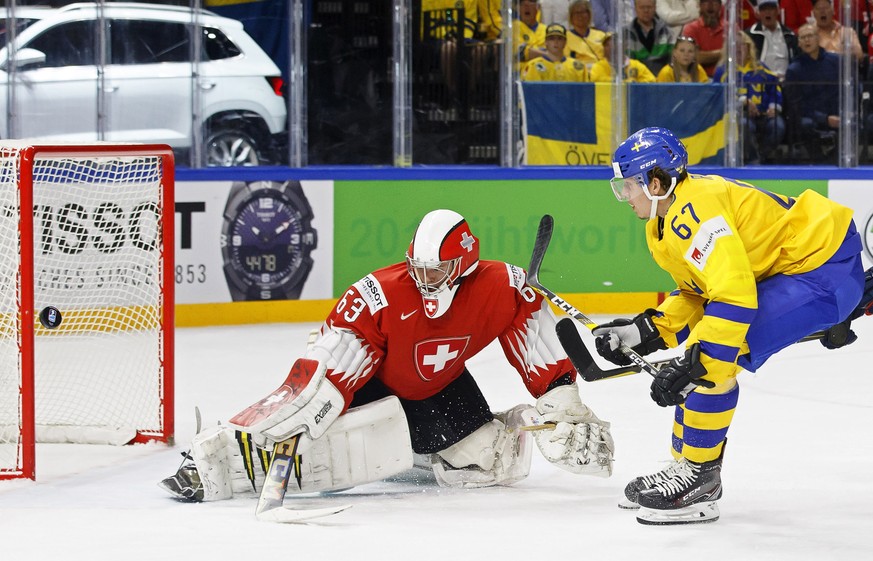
{"x":89,"y":231}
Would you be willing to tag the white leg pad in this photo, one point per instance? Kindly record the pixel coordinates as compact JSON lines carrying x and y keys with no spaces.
{"x":220,"y":464}
{"x":365,"y":444}
{"x":497,"y":453}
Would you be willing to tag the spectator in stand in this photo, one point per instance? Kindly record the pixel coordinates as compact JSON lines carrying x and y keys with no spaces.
{"x":490,"y":19}
{"x":775,"y":43}
{"x":603,"y":15}
{"x":529,"y":34}
{"x":632,"y":70}
{"x":553,"y":66}
{"x":748,"y":15}
{"x":796,"y":13}
{"x":761,"y":97}
{"x":584,"y":42}
{"x":676,"y":13}
{"x":831,"y":32}
{"x":812,"y":93}
{"x":683,"y":65}
{"x":648,"y":38}
{"x":555,"y":11}
{"x":708,"y":32}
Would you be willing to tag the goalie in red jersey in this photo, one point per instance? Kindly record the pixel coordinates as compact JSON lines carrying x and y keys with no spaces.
{"x":385,"y":382}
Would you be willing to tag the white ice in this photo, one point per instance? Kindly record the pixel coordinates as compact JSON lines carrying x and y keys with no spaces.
{"x":798,"y":476}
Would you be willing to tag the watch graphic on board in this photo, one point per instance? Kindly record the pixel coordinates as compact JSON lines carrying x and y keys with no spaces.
{"x":266,"y":240}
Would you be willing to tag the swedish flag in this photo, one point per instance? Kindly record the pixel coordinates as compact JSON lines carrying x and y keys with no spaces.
{"x":571,"y":123}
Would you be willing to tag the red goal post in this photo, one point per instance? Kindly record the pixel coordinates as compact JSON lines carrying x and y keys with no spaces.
{"x":87,"y":229}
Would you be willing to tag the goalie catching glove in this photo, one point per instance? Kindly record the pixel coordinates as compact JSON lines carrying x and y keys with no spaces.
{"x":639,"y":333}
{"x":580,"y":442}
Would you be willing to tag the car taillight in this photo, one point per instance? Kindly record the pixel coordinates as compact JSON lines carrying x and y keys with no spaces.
{"x":277,"y":84}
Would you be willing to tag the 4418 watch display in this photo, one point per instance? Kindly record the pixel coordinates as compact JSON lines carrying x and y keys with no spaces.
{"x":266,"y":240}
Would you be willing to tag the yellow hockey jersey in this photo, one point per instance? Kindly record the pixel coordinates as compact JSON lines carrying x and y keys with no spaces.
{"x":720,"y":238}
{"x":542,"y":69}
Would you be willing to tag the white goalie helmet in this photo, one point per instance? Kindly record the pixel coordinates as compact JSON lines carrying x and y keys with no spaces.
{"x":442,"y":252}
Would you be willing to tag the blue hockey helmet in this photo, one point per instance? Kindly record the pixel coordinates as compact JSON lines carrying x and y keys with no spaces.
{"x":642,"y":152}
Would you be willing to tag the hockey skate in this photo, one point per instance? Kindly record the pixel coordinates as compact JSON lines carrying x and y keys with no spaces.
{"x":687,"y":496}
{"x":185,"y":484}
{"x":643,"y":482}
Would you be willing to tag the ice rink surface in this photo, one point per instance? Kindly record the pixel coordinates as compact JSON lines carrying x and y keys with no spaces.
{"x":798,"y":476}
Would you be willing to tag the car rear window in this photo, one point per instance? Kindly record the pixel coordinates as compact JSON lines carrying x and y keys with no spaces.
{"x":151,"y":42}
{"x":217,"y":45}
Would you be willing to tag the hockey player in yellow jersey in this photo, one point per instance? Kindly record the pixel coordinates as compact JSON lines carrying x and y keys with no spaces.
{"x":756,"y":272}
{"x":553,"y":66}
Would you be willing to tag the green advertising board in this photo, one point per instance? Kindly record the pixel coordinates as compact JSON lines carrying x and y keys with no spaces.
{"x":598,"y":244}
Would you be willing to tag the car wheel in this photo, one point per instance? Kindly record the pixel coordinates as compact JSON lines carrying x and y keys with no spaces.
{"x":226,"y":147}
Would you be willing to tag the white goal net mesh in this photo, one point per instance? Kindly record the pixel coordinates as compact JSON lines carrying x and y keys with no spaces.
{"x":98,"y":257}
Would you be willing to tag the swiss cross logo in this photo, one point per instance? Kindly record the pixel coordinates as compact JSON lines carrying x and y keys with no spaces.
{"x":276,"y":398}
{"x":437,"y":356}
{"x":298,"y":379}
{"x":467,"y":241}
{"x":430,"y":306}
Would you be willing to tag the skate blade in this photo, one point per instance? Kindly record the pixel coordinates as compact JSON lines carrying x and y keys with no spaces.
{"x":694,"y":514}
{"x":627,"y":504}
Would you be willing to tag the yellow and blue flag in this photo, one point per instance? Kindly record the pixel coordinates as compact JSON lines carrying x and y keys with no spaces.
{"x":571,"y":123}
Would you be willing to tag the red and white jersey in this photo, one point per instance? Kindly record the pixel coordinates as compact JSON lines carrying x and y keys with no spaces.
{"x":386,"y":333}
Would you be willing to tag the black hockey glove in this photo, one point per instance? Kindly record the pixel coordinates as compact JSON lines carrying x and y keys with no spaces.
{"x":638,"y":333}
{"x":838,"y":335}
{"x":679,"y":377}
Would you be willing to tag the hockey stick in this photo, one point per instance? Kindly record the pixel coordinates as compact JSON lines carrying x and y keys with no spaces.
{"x":270,"y":509}
{"x":588,"y":370}
{"x":544,"y":236}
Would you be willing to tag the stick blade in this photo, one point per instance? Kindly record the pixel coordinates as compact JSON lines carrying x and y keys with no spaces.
{"x":285,"y":515}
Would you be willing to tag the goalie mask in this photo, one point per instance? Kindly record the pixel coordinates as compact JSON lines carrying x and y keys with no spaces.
{"x":443,"y":251}
{"x":639,"y":155}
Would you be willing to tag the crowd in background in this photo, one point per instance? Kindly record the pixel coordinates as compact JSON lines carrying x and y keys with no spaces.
{"x":787,"y":58}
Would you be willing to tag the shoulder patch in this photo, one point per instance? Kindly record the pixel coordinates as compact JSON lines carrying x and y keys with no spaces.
{"x":517,"y":276}
{"x":372,"y":293}
{"x":704,"y":241}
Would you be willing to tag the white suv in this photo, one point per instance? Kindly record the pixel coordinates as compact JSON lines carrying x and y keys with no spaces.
{"x":123,"y":72}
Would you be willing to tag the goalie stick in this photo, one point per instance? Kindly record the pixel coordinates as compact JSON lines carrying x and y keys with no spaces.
{"x":286,"y":460}
{"x":541,"y":244}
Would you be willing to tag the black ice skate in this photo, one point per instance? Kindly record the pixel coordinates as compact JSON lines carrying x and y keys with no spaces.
{"x":643,"y":482}
{"x":185,"y":484}
{"x":687,"y":496}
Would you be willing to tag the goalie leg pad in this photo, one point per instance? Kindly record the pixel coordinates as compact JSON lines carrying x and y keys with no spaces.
{"x":221,"y":464}
{"x":495,"y":454}
{"x":366,"y":444}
